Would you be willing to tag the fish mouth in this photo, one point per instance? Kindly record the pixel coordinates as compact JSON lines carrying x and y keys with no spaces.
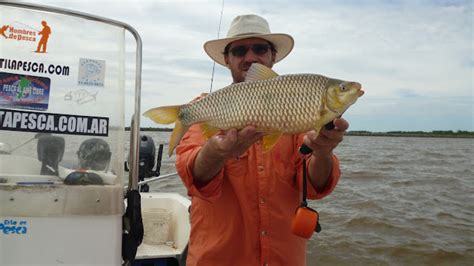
{"x":358,"y":87}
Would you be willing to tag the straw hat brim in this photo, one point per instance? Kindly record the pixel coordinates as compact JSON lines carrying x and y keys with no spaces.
{"x":283,"y":44}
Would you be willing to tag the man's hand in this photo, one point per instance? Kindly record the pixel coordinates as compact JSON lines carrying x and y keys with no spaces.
{"x":232,"y":143}
{"x":221,"y":147}
{"x":323,"y":144}
{"x":321,"y":162}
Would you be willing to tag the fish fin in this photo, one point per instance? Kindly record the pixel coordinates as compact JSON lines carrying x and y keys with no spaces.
{"x":322,"y":113}
{"x":176,"y":136}
{"x":259,"y":72}
{"x":324,"y":116}
{"x":208,"y":131}
{"x":163,"y":114}
{"x":270,"y":140}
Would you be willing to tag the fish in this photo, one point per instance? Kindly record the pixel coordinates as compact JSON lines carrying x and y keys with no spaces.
{"x":274,"y":104}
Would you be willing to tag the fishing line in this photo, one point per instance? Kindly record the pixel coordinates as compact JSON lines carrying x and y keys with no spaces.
{"x":21,"y":145}
{"x":36,"y":136}
{"x":17,"y":22}
{"x":218,"y":32}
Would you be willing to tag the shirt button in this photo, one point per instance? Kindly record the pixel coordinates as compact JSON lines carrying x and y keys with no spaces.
{"x":264,"y":233}
{"x":262,"y":200}
{"x":265,"y":264}
{"x":260,"y":168}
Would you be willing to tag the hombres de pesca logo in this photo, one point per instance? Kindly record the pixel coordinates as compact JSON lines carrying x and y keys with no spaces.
{"x":18,"y":31}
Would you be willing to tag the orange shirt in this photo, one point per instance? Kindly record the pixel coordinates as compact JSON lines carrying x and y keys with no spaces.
{"x":243,"y":215}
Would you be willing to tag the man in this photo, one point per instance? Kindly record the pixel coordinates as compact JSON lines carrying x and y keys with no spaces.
{"x":244,"y":199}
{"x":43,"y":42}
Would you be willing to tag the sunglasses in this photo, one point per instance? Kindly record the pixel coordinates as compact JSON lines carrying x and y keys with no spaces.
{"x":241,"y":50}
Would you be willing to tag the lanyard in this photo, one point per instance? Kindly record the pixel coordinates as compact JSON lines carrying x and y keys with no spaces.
{"x":306,"y":220}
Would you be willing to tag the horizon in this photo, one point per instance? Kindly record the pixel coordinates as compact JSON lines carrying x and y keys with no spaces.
{"x":349,"y":130}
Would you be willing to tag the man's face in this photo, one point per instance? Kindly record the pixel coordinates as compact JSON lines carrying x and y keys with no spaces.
{"x":240,"y":64}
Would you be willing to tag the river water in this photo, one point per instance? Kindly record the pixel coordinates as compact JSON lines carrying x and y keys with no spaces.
{"x":400,"y":201}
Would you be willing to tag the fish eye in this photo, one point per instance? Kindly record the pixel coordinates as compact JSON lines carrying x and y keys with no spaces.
{"x":342,"y":87}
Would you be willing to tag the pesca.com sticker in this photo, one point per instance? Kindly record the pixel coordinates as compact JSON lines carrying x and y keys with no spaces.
{"x":24,"y":91}
{"x":14,"y":120}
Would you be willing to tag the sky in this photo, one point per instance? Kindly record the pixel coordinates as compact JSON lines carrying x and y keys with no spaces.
{"x":414,"y":59}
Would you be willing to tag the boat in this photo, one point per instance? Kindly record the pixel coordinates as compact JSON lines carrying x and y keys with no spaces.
{"x":66,"y":197}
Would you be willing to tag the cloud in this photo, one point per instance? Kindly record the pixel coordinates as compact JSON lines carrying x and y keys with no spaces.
{"x":411,"y":55}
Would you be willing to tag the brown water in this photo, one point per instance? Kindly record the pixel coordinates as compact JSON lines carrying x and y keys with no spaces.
{"x":400,"y":201}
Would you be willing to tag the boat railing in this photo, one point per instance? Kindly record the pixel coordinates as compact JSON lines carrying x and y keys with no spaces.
{"x":155,"y":179}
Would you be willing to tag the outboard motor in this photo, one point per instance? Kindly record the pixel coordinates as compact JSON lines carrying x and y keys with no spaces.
{"x":94,"y":154}
{"x":50,"y":153}
{"x":146,"y":157}
{"x":147,"y":162}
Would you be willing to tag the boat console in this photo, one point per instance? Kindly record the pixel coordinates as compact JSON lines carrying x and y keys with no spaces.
{"x":62,"y":151}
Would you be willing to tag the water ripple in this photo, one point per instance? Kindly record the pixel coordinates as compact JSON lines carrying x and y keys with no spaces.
{"x":400,"y":201}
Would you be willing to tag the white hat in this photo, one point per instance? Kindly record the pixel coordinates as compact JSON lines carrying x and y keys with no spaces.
{"x":249,"y":26}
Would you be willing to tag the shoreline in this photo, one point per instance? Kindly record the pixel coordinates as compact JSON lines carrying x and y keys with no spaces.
{"x":411,"y":135}
{"x":422,"y":134}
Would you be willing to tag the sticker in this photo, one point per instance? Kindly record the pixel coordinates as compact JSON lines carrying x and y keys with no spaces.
{"x":91,"y":72}
{"x":35,"y":67}
{"x":13,"y":120}
{"x":18,"y":31}
{"x":80,"y":96}
{"x":21,"y":32}
{"x":24,"y":92}
{"x":13,"y":227}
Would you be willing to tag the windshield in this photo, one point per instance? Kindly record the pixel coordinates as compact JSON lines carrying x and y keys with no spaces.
{"x":61,"y":98}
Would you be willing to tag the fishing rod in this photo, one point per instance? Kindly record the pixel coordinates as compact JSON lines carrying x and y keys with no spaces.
{"x":17,"y":22}
{"x":218,"y":33}
{"x":36,"y":136}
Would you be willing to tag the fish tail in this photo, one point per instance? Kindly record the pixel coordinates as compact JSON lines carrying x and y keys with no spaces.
{"x":176,"y":136}
{"x":164,"y":114}
{"x":168,"y":115}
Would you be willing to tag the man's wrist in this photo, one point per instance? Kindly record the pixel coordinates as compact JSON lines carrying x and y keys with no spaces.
{"x":211,"y":154}
{"x":207,"y":164}
{"x":326,"y":155}
{"x":321,"y":168}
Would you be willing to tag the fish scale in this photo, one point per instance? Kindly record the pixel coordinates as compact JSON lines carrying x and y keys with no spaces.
{"x":267,"y":104}
{"x":275,"y":105}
